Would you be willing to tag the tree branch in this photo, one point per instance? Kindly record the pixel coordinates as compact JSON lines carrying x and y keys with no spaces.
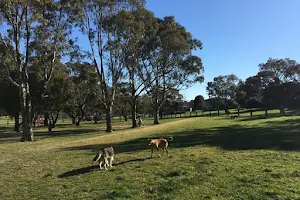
{"x":8,"y":49}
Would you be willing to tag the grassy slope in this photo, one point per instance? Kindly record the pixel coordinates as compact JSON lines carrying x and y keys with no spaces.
{"x":210,"y":158}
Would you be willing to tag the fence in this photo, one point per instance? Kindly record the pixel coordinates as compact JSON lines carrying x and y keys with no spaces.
{"x":258,"y":112}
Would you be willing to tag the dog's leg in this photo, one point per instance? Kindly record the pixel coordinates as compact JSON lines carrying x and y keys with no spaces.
{"x":105,"y":163}
{"x":158,"y":152}
{"x":151,"y":152}
{"x":100,"y":165}
{"x":111,"y":160}
{"x":166,"y":148}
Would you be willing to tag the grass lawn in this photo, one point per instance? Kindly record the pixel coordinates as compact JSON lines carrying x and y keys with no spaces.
{"x":210,"y":158}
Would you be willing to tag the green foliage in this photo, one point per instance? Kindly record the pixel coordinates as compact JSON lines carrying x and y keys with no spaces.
{"x":271,"y":87}
{"x":223,"y":87}
{"x":285,"y":70}
{"x":199,"y":103}
{"x":84,"y":91}
{"x":286,"y":95}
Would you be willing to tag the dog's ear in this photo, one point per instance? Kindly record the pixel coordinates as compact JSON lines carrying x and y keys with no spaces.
{"x":149,"y":139}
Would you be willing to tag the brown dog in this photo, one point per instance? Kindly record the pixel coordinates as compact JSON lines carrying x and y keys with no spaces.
{"x":159,"y":143}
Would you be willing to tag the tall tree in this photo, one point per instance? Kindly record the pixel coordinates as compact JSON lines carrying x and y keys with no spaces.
{"x":223,"y":87}
{"x":95,"y":21}
{"x":282,"y":95}
{"x":21,"y":34}
{"x":285,"y":70}
{"x":57,"y":94}
{"x":9,"y":94}
{"x":134,"y":26}
{"x":10,"y":101}
{"x":123,"y":100}
{"x":169,"y":63}
{"x":199,"y":102}
{"x":85,"y":91}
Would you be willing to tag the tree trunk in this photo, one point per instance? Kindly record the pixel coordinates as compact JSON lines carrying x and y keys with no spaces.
{"x":50,"y":126}
{"x":27,"y":134}
{"x":73,"y":120}
{"x":46,"y":119}
{"x":156,"y":109}
{"x":109,"y":119}
{"x":156,"y":113}
{"x":27,"y":117}
{"x":55,"y":120}
{"x":124,"y":115}
{"x":17,"y":122}
{"x":281,"y":109}
{"x":133,"y":112}
{"x":156,"y":117}
{"x":226,"y":110}
{"x":34,"y":121}
{"x":80,"y":118}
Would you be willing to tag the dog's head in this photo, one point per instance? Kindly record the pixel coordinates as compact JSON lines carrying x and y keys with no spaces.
{"x":151,"y":141}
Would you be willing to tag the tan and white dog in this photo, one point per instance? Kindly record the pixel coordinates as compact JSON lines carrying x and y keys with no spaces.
{"x":159,"y":143}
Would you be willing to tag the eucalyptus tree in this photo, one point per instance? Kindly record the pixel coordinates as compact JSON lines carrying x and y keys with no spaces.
{"x":84,"y":92}
{"x":122,"y":101}
{"x":10,"y":101}
{"x":223,"y":87}
{"x":96,"y":21}
{"x":27,"y":29}
{"x":57,"y":94}
{"x":199,"y":103}
{"x":283,"y":70}
{"x":134,"y":26}
{"x":9,"y":94}
{"x":168,"y":62}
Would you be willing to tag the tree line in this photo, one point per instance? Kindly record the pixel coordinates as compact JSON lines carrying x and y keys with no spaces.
{"x":275,"y":86}
{"x":134,"y":60}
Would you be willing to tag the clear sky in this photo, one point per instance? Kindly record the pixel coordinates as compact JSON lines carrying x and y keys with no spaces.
{"x":237,"y":35}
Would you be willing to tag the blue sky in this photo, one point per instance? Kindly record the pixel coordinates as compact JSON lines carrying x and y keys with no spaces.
{"x":237,"y":35}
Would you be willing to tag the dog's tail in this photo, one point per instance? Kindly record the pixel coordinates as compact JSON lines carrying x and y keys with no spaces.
{"x":171,"y":138}
{"x":97,"y":157}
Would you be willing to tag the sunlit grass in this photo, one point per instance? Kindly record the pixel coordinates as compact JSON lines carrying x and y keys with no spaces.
{"x":210,"y":158}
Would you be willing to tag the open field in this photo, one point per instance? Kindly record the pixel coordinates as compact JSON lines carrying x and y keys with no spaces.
{"x":210,"y":158}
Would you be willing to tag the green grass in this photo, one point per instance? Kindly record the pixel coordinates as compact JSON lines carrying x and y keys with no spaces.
{"x":210,"y":158}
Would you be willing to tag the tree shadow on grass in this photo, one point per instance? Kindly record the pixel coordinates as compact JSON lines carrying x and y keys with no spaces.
{"x":122,"y":147}
{"x":10,"y":136}
{"x":63,"y":133}
{"x":257,"y":117}
{"x":270,"y":135}
{"x":89,"y":169}
{"x":7,"y":135}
